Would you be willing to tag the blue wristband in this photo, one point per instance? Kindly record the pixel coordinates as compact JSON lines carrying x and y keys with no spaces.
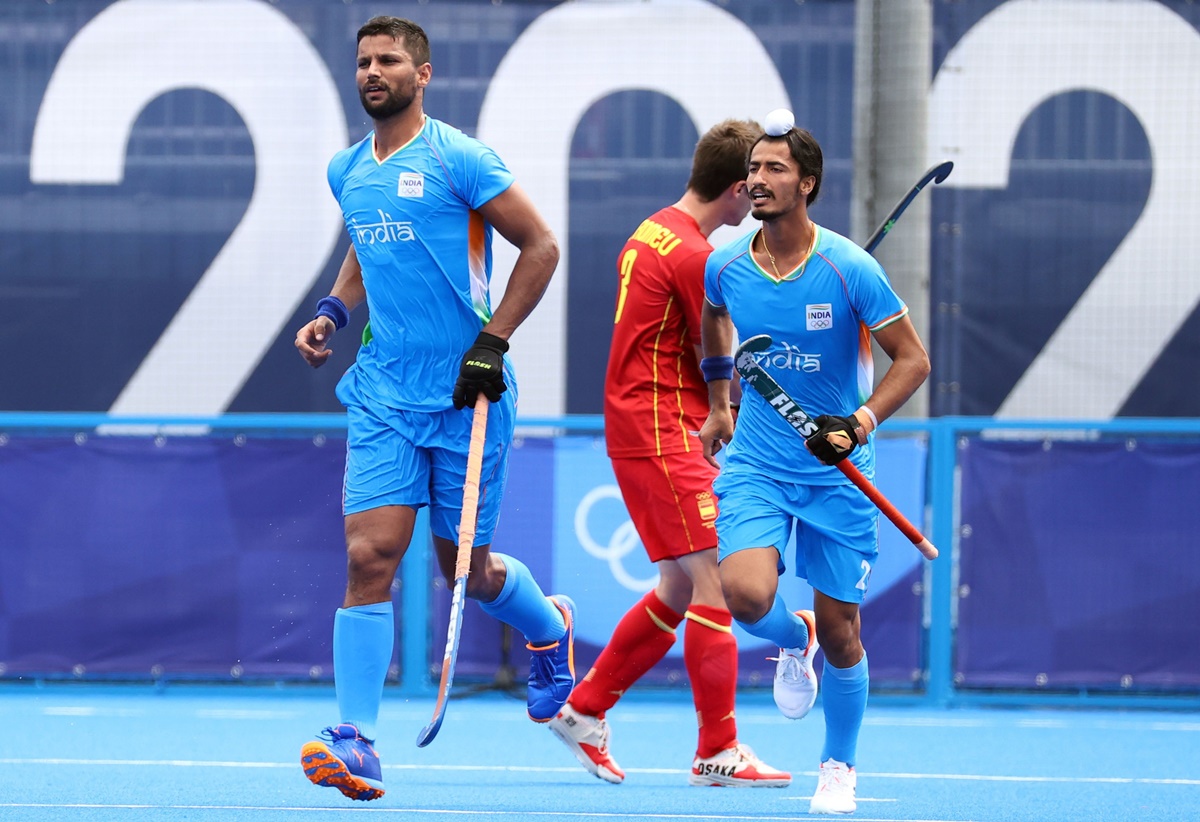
{"x":334,"y":309}
{"x":717,"y":368}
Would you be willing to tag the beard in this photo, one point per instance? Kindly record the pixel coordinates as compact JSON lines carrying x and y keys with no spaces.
{"x":767,"y":212}
{"x":397,"y":100}
{"x":775,"y":208}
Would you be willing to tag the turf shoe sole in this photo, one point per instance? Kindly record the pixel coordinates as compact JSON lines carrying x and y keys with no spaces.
{"x":350,"y":765}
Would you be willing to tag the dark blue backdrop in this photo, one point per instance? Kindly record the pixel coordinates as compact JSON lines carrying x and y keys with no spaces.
{"x":92,"y":275}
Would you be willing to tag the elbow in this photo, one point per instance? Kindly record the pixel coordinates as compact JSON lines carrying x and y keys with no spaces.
{"x":923,"y":367}
{"x":550,"y":249}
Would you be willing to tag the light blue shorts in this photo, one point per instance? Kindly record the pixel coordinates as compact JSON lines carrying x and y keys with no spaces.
{"x":418,"y":458}
{"x":836,"y":528}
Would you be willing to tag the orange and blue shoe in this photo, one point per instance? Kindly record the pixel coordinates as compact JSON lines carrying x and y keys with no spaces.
{"x":552,"y":668}
{"x":347,"y":762}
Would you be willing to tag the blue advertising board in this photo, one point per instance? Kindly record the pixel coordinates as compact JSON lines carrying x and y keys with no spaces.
{"x":222,"y":556}
{"x":1078,"y":565}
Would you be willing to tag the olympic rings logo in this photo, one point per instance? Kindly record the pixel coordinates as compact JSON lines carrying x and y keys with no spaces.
{"x":624,"y":539}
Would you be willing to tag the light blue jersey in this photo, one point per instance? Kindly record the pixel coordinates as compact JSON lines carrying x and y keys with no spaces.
{"x":426,"y":257}
{"x":820,"y":318}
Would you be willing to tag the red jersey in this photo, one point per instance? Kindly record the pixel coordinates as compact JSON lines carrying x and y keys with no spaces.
{"x":654,"y":393}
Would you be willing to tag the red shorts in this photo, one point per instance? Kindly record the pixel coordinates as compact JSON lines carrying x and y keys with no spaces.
{"x":670,"y":501}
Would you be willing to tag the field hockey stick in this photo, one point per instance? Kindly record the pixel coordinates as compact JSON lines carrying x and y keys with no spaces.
{"x":935,"y":174}
{"x":762,"y":382}
{"x":462,"y":566}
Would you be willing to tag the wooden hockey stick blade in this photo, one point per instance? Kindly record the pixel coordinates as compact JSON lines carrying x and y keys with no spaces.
{"x":462,"y":567}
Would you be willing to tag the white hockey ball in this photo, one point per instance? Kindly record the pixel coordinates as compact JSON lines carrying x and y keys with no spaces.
{"x":778,"y":122}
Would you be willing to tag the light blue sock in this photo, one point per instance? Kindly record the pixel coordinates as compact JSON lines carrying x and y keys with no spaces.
{"x":844,"y":696}
{"x":781,"y":626}
{"x":362,"y":651}
{"x":522,"y":605}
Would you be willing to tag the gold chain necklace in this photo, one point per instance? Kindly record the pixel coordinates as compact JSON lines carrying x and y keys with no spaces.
{"x":763,"y":234}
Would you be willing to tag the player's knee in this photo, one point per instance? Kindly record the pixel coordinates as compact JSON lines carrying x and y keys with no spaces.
{"x":841,"y":643}
{"x":746,"y":603}
{"x":675,"y":592}
{"x":369,"y":558}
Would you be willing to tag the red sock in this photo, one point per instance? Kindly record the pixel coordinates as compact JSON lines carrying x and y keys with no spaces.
{"x":710,"y":654}
{"x":642,"y":638}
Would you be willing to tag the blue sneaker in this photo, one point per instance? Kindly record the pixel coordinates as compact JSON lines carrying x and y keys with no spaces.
{"x":348,"y":763}
{"x":552,"y":668}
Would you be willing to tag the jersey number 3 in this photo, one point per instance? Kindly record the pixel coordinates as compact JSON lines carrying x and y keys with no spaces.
{"x":627,"y":261}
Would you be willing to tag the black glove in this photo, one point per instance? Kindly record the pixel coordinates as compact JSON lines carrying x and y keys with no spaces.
{"x":834,"y":438}
{"x":482,"y":369}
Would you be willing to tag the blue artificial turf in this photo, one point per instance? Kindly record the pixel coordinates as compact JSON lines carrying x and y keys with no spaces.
{"x":90,"y":752}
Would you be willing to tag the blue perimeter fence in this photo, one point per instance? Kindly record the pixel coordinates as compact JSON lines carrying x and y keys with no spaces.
{"x":944,"y":435}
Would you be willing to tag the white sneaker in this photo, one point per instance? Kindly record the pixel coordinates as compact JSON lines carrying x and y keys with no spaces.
{"x":835,"y":789}
{"x":795,"y":683}
{"x":737,"y":767}
{"x":587,"y":737}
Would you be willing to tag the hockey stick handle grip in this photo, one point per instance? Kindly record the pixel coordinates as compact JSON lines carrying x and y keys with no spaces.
{"x":890,"y":511}
{"x":470,"y":507}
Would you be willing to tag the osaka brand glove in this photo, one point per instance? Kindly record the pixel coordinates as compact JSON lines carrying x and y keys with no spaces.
{"x":482,"y":369}
{"x":835,"y":438}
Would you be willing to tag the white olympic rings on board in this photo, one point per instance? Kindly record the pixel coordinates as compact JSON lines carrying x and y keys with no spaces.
{"x":624,"y":539}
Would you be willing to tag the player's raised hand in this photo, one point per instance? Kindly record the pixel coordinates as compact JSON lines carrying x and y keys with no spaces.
{"x":716,"y":431}
{"x":312,"y":341}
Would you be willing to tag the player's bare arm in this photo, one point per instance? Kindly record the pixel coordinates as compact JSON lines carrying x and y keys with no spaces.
{"x":909,"y":368}
{"x":513,"y":214}
{"x":716,"y":335}
{"x":312,"y":340}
